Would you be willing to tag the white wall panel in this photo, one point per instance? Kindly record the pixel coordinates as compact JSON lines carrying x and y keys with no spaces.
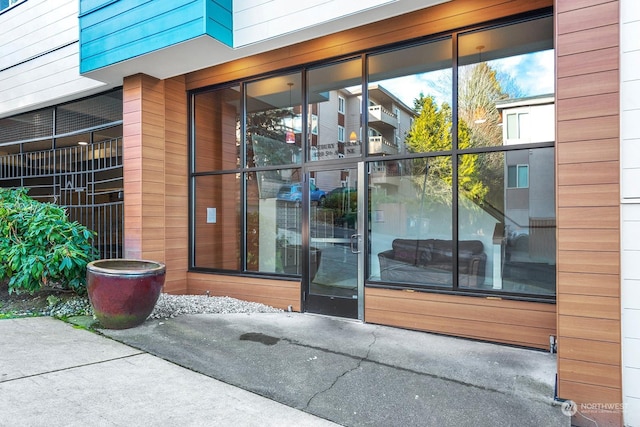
{"x":36,"y":27}
{"x":630,"y":208}
{"x":39,"y":64}
{"x":45,"y":80}
{"x":274,"y":18}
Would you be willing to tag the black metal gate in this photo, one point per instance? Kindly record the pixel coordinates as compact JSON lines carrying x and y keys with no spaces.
{"x":85,"y":179}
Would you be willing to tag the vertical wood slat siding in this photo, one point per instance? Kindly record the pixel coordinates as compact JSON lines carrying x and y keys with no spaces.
{"x":589,"y":367}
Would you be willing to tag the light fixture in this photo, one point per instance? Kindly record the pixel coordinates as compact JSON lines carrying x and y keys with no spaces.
{"x":83,"y":143}
{"x":353,"y":138}
{"x":290,"y":137}
{"x":479,"y":49}
{"x":290,"y":84}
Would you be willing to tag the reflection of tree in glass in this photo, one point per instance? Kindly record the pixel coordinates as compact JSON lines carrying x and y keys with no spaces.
{"x":431,"y":132}
{"x":266,"y":138}
{"x":480,"y":176}
{"x":478,"y":93}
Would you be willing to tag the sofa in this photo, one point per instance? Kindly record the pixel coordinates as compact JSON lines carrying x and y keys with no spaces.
{"x":430,"y":262}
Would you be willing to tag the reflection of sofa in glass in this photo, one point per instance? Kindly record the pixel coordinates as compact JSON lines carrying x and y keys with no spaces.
{"x":430,"y":261}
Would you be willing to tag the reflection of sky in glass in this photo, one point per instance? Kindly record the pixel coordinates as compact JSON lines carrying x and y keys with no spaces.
{"x":533,"y":73}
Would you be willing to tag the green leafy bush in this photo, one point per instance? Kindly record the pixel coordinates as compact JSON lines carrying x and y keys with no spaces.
{"x":39,"y":246}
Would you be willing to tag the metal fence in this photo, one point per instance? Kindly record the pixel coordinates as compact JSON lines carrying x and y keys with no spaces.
{"x":86,"y":180}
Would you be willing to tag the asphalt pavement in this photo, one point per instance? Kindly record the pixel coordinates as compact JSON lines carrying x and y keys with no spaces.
{"x":267,"y":369}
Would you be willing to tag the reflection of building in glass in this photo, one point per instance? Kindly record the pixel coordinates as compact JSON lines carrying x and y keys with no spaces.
{"x":529,"y":178}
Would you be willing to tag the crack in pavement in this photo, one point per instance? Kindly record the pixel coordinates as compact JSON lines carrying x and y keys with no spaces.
{"x":69,"y":368}
{"x":360,"y":360}
{"x":385,"y":365}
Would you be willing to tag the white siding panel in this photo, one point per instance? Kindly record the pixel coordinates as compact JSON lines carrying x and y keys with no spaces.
{"x":631,"y":184}
{"x":633,"y":382}
{"x":629,"y":69}
{"x":629,"y":92}
{"x":630,"y":209}
{"x":629,"y":44}
{"x":629,"y":11}
{"x":36,"y":27}
{"x":46,"y":80}
{"x":629,"y":126}
{"x":266,"y":20}
{"x":631,"y":150}
{"x":631,"y":300}
{"x":632,"y":412}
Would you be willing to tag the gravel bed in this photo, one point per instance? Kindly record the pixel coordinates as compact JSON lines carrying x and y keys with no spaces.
{"x":167,"y":307}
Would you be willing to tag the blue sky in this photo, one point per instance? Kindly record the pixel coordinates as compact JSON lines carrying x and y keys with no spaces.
{"x":534,"y":74}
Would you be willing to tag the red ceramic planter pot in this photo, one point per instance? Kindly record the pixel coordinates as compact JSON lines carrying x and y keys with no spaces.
{"x":123,"y":292}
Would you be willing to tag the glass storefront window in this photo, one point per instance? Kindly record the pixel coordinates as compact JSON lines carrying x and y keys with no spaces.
{"x":410,"y":99}
{"x":273,"y":218}
{"x":274,"y":122}
{"x":460,"y":208}
{"x":516,"y":226}
{"x":411,"y":230}
{"x":216,"y":130}
{"x":335,"y":122}
{"x":217,"y":225}
{"x":507,"y":67}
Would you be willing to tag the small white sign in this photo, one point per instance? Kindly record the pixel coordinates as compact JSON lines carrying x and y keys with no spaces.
{"x":211,"y":215}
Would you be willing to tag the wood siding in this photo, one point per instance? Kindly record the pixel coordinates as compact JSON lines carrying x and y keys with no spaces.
{"x":155,"y":174}
{"x":490,"y":319}
{"x":176,"y":186}
{"x":588,"y":192}
{"x":276,"y":293}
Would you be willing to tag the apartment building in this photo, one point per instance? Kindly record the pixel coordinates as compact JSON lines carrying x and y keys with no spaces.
{"x":461,"y":167}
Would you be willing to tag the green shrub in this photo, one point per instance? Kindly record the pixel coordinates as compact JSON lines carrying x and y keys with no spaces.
{"x":39,"y":246}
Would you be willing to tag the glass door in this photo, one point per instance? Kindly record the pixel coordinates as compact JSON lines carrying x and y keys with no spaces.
{"x":334,"y":281}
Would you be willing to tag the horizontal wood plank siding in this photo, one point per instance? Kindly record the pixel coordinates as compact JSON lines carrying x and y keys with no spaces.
{"x":155,"y":175}
{"x":588,"y":192}
{"x":176,"y":186}
{"x":512,"y":322}
{"x":275,"y":293}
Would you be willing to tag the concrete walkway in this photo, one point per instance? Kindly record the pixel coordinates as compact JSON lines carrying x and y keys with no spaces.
{"x":317,"y":368}
{"x":52,"y":374}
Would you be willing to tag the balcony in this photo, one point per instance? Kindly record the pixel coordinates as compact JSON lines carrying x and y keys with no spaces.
{"x":386,"y":175}
{"x":380,"y":145}
{"x":380,"y":117}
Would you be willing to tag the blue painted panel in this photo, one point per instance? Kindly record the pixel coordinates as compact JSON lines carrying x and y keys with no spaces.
{"x":220,"y":21}
{"x":86,"y":6}
{"x":117,"y":30}
{"x":127,"y":27}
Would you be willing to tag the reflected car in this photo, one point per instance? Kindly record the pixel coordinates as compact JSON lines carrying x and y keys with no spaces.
{"x":293,"y":193}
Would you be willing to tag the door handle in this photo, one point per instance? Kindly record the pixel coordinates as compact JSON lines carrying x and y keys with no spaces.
{"x":355,"y":249}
